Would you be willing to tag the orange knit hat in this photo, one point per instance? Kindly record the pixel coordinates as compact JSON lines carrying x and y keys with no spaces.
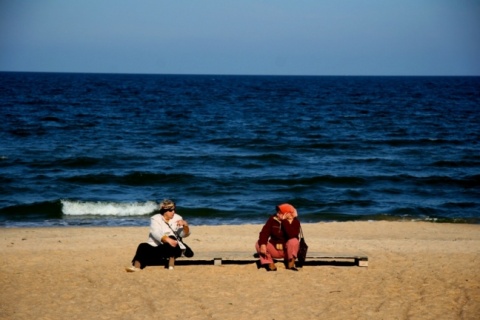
{"x":287,"y":208}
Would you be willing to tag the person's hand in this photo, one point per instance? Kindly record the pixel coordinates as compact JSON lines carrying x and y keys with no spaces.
{"x":172,"y":242}
{"x":181,"y":223}
{"x":288,"y":217}
{"x":281,"y":216}
{"x":263,"y":249}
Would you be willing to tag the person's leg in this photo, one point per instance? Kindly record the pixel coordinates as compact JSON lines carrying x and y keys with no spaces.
{"x":141,"y":255}
{"x":168,"y":251}
{"x":291,"y":252}
{"x":170,"y":254}
{"x":272,"y":253}
{"x":147,"y":255}
{"x":139,"y":260}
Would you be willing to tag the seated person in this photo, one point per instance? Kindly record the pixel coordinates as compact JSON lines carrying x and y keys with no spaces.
{"x":279,"y":239}
{"x":163,"y":243}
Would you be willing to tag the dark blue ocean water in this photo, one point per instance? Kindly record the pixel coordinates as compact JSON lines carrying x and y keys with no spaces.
{"x":100,"y":149}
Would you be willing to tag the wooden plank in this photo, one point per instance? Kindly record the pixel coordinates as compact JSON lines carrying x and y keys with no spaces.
{"x":219,"y":258}
{"x":360,"y":260}
{"x":222,"y":257}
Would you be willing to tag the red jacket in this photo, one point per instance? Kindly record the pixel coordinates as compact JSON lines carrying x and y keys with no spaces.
{"x":278,"y":231}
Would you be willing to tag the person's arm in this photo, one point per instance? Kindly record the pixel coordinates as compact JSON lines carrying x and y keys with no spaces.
{"x":156,"y":229}
{"x":265,"y":233}
{"x":183,"y":228}
{"x":160,"y":231}
{"x":186,"y":229}
{"x":291,"y":227}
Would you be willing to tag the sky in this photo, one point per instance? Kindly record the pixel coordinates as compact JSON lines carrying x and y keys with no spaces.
{"x":255,"y":37}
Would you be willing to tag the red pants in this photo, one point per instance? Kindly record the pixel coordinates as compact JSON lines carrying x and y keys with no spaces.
{"x":289,"y":251}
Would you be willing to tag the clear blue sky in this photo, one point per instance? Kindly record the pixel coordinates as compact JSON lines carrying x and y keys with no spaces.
{"x":277,"y":37}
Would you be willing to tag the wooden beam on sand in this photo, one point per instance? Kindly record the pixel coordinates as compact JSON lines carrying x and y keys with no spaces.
{"x":360,"y":260}
{"x":236,"y":257}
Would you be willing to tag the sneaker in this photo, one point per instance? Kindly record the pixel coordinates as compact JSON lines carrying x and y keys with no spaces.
{"x":132,"y":269}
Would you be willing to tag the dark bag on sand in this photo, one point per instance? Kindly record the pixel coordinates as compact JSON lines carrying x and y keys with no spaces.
{"x":188,"y":252}
{"x":302,"y":251}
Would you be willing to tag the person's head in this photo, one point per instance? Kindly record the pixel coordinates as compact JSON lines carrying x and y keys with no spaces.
{"x":286,"y":210}
{"x":167,"y":208}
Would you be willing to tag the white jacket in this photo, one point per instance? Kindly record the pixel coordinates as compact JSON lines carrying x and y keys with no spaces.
{"x":159,"y":228}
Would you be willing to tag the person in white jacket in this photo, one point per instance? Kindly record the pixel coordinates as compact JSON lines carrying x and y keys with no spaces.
{"x":163,"y":242}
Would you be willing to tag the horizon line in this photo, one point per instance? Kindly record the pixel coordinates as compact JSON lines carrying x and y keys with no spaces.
{"x":237,"y":75}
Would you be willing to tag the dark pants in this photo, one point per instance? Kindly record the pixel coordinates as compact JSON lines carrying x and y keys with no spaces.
{"x":149,"y":255}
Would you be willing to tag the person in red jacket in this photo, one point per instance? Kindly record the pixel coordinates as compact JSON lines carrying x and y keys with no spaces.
{"x":278,"y":238}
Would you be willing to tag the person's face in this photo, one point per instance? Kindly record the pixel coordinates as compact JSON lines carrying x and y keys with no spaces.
{"x":169,"y":213}
{"x":283,"y":216}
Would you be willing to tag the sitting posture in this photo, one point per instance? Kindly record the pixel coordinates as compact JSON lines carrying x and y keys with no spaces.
{"x":163,"y":245}
{"x":278,"y":238}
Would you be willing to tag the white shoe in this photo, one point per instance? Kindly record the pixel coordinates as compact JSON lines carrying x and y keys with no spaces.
{"x":132,"y":269}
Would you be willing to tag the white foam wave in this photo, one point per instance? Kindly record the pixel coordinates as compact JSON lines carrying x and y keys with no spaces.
{"x":99,"y":208}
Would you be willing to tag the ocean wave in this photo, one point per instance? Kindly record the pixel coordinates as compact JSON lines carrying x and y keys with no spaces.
{"x":132,"y":179}
{"x":99,"y":208}
{"x":472,"y":181}
{"x":467,"y":182}
{"x":110,"y":213}
{"x":414,"y":142}
{"x":455,"y":164}
{"x":350,"y":181}
{"x":69,"y":163}
{"x":40,"y":210}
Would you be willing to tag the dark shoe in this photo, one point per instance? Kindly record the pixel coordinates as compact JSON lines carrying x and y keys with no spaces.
{"x":291,"y":265}
{"x":271,"y":267}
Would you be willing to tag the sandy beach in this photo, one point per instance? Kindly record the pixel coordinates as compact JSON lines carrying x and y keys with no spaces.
{"x":417,"y":270}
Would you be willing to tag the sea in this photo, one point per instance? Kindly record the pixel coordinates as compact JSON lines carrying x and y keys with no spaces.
{"x":84,"y":149}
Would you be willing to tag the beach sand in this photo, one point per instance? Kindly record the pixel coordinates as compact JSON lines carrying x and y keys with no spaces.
{"x":417,"y":270}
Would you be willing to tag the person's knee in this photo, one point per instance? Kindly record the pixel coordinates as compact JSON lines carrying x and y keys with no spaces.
{"x":293,"y":241}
